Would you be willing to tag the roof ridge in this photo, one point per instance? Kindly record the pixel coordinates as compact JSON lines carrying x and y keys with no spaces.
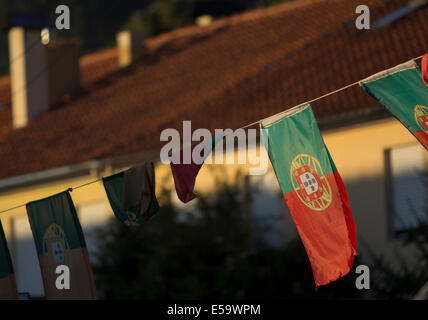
{"x":258,"y":13}
{"x":245,"y":16}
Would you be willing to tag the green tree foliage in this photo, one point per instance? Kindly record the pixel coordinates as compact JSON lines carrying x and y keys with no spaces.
{"x":162,"y":16}
{"x":166,"y":15}
{"x":96,"y":22}
{"x":211,"y":254}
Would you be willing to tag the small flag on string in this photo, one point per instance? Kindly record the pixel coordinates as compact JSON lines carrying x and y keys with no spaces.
{"x":8,"y":290}
{"x":59,"y":241}
{"x":131,"y":194}
{"x":424,"y":66}
{"x":313,"y":190}
{"x":402,"y":92}
{"x":185,"y":173}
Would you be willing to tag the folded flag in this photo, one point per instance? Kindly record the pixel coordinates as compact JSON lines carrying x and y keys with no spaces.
{"x":313,"y":190}
{"x":131,"y":193}
{"x":59,"y":241}
{"x":424,"y":66}
{"x":184,"y":174}
{"x":402,"y":92}
{"x":8,"y":290}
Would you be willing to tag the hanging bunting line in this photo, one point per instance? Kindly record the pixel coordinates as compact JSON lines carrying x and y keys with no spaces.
{"x":244,"y":127}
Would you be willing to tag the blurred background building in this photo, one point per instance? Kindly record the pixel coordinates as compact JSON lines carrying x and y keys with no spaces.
{"x":67,"y":118}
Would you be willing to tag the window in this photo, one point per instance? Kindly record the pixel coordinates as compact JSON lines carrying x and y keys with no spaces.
{"x":93,"y":216}
{"x":265,"y":199}
{"x":406,"y":191}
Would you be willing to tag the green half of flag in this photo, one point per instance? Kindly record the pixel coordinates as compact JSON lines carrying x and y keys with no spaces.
{"x":131,"y":194}
{"x":59,"y":240}
{"x":313,"y":190}
{"x":8,"y":288}
{"x":402,"y":91}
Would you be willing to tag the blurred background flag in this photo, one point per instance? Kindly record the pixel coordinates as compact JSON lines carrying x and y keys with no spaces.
{"x":402,"y":91}
{"x":8,"y":288}
{"x":131,"y":193}
{"x":313,"y":190}
{"x":184,"y":174}
{"x":59,"y":240}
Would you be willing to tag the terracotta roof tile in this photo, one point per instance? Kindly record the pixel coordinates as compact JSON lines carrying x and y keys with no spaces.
{"x":234,"y":72}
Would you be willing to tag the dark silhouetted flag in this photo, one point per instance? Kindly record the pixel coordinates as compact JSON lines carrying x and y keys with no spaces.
{"x":313,"y":190}
{"x":131,"y":193}
{"x":8,"y":290}
{"x":184,"y":174}
{"x":59,"y":241}
{"x":402,"y":92}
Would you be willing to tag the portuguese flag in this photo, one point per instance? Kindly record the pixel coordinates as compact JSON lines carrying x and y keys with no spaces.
{"x":131,"y":194}
{"x":313,"y":190}
{"x":59,"y":240}
{"x":403,"y":92}
{"x":8,"y":290}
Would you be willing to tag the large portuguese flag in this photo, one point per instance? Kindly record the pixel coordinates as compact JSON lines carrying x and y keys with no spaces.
{"x":8,"y":288}
{"x":403,"y":92}
{"x":59,"y":241}
{"x":313,"y":190}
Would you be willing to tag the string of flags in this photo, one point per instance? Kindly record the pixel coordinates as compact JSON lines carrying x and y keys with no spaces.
{"x":309,"y":180}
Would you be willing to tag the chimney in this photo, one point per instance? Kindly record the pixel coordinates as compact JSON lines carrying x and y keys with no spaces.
{"x":29,"y":80}
{"x":204,"y":20}
{"x":42,"y":71}
{"x":62,"y":57}
{"x":130,"y":46}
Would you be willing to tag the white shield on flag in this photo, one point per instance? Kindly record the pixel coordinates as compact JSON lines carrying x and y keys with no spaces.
{"x":309,"y":182}
{"x":56,"y":250}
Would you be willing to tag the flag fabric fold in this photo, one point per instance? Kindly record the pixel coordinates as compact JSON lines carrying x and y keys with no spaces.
{"x":184,"y":174}
{"x":8,"y":290}
{"x":131,"y":194}
{"x":424,"y":67}
{"x":402,"y":91}
{"x":313,"y":190}
{"x":59,"y":240}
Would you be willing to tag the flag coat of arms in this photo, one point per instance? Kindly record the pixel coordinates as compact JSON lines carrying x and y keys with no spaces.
{"x":8,"y":290}
{"x":402,"y":91}
{"x":59,"y":240}
{"x":313,"y":190}
{"x":131,"y":194}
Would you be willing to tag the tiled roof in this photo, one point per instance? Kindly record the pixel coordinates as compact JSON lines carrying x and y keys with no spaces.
{"x":234,"y":72}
